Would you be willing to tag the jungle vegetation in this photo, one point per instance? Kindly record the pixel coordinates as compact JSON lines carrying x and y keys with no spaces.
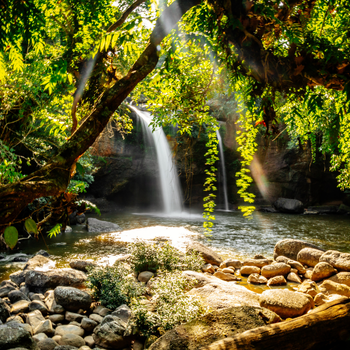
{"x":67,"y":66}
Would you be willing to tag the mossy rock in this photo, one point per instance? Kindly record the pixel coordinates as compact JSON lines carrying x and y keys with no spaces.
{"x":214,"y":326}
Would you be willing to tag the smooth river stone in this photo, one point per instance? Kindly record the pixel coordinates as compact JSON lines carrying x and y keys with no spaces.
{"x":339,"y":260}
{"x":276,"y":269}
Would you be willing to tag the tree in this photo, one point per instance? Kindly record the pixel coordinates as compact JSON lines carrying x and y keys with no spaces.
{"x":286,"y":60}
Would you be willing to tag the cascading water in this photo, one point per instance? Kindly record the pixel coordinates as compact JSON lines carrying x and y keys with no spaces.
{"x":169,"y":180}
{"x":223,"y":170}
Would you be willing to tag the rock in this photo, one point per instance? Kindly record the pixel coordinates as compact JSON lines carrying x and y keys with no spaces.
{"x":35,"y":318}
{"x":208,"y":268}
{"x":72,"y":316}
{"x":228,"y":270}
{"x":4,"y":311}
{"x":72,"y":339}
{"x":123,"y":312}
{"x":96,"y":318}
{"x":14,"y":335}
{"x":145,"y":276}
{"x":286,"y":303}
{"x":109,"y":334}
{"x":341,"y":277}
{"x":54,"y":278}
{"x":308,"y":273}
{"x":17,"y":277}
{"x":257,"y":262}
{"x":218,"y":294}
{"x":47,"y":344}
{"x":293,"y":277}
{"x":81,"y":218}
{"x":88,"y":324}
{"x":4,"y":291}
{"x":82,"y":265}
{"x":89,"y":341}
{"x":36,"y":296}
{"x":206,"y":329}
{"x":24,"y":289}
{"x":309,"y":287}
{"x":94,"y":225}
{"x":66,"y":347}
{"x":20,"y":306}
{"x":39,"y":262}
{"x":45,"y":327}
{"x":69,"y":329}
{"x":40,"y":336}
{"x":51,"y":304}
{"x":339,"y":260}
{"x":320,"y":299}
{"x":321,"y":271}
{"x":256,"y":279}
{"x":226,"y":276}
{"x":209,"y":255}
{"x":290,"y":206}
{"x":15,"y":318}
{"x":43,"y":253}
{"x":104,"y":311}
{"x":309,"y":256}
{"x":56,"y":318}
{"x":248,"y":270}
{"x":276,"y":269}
{"x":72,"y":299}
{"x":276,"y":281}
{"x":290,"y":248}
{"x":331,"y":287}
{"x":292,"y":263}
{"x":38,"y":305}
{"x":8,"y":283}
{"x":232,"y":262}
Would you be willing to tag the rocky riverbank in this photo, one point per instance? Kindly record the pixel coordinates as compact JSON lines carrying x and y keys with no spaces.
{"x":42,"y":307}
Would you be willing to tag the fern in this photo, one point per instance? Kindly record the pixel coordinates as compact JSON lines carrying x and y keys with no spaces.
{"x":55,"y":230}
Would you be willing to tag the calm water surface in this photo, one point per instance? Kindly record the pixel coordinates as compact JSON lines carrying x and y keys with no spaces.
{"x":232,"y":236}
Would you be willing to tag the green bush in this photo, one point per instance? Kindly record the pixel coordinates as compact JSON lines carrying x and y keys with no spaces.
{"x":153,"y":257}
{"x":171,"y":305}
{"x":114,"y":286}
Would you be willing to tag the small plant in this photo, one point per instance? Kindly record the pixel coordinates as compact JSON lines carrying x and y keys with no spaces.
{"x":152,"y":257}
{"x":114,"y":286}
{"x":172,"y":306}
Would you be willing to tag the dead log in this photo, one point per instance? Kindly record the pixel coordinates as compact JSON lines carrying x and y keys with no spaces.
{"x":327,"y":327}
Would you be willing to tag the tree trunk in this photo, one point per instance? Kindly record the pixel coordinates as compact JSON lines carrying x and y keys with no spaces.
{"x":327,"y":327}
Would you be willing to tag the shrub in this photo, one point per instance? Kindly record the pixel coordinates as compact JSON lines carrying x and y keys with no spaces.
{"x":113,"y":286}
{"x":152,"y":257}
{"x":172,"y":305}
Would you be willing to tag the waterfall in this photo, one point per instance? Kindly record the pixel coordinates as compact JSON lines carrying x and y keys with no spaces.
{"x":169,"y":180}
{"x":223,"y":169}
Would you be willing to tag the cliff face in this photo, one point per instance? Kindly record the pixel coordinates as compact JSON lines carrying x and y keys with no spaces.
{"x":128,"y":175}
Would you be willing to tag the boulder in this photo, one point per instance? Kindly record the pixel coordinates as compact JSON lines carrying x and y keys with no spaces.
{"x":341,"y":277}
{"x":36,"y":296}
{"x":45,"y":327}
{"x":290,"y":248}
{"x":286,"y":303}
{"x":255,"y":278}
{"x":276,"y":281}
{"x":69,"y":329}
{"x":123,"y":312}
{"x":72,"y":299}
{"x":247,"y":270}
{"x":226,"y":276}
{"x":310,"y":256}
{"x":109,"y":334}
{"x":321,"y":271}
{"x":94,"y":225}
{"x":51,"y":304}
{"x":4,"y":311}
{"x":339,"y":260}
{"x":35,"y":318}
{"x":331,"y":287}
{"x":289,"y":206}
{"x":18,"y":277}
{"x":54,"y":278}
{"x":257,"y":262}
{"x":82,"y":265}
{"x":219,"y":324}
{"x":17,"y":295}
{"x":72,"y":339}
{"x":207,"y":253}
{"x":43,"y":253}
{"x":292,"y":263}
{"x":237,"y":264}
{"x":320,"y":299}
{"x":39,"y":262}
{"x":16,"y":335}
{"x":276,"y":269}
{"x":293,"y":277}
{"x":145,"y":276}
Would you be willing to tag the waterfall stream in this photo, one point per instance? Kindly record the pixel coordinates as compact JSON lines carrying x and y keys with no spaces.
{"x":223,"y":170}
{"x":169,"y":180}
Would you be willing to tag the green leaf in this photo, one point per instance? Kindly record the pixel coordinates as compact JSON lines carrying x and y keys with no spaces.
{"x":55,"y":230}
{"x":11,"y":236}
{"x":80,"y":169}
{"x":30,"y":226}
